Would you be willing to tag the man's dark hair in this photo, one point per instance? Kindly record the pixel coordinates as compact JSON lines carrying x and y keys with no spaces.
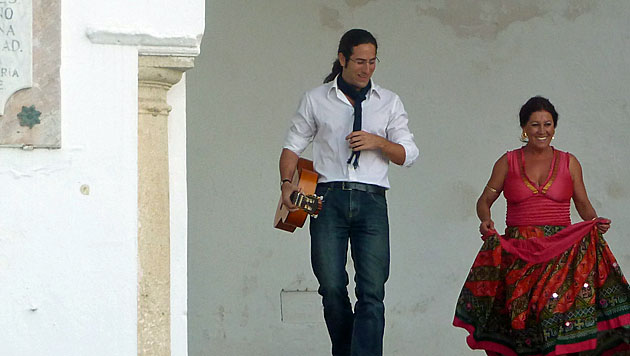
{"x":348,"y":41}
{"x":537,"y":103}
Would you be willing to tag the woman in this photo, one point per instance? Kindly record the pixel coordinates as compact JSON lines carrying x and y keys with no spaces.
{"x":546,"y":287}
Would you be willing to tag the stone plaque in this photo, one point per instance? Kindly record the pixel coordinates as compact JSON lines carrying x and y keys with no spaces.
{"x":30,"y":56}
{"x":16,"y":61}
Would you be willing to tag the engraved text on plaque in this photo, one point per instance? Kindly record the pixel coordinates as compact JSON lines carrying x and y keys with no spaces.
{"x":16,"y":50}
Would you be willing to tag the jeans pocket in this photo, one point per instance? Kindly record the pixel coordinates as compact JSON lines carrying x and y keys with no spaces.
{"x":379,"y":199}
{"x":322,"y":192}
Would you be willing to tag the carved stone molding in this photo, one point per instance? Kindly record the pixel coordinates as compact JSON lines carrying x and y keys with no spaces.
{"x":147,"y":44}
{"x":156,"y":75}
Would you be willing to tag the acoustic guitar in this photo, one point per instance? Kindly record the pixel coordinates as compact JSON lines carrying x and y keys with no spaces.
{"x":310,"y":204}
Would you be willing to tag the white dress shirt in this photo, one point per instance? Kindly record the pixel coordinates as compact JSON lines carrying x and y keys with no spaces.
{"x":325,"y":117}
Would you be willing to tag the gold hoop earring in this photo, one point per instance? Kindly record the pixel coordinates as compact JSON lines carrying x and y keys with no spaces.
{"x":524,"y":137}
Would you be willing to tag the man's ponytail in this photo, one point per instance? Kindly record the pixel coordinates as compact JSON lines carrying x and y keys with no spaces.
{"x":336,"y":69}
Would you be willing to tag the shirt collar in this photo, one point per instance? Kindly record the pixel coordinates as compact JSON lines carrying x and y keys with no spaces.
{"x":374,"y":89}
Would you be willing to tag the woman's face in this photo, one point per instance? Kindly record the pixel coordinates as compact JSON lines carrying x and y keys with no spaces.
{"x":540,"y":129}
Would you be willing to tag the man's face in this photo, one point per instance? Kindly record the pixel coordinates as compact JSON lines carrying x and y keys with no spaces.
{"x":358,"y":69}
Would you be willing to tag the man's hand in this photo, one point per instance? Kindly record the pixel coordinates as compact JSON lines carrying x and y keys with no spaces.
{"x":287,"y":189}
{"x":361,"y":140}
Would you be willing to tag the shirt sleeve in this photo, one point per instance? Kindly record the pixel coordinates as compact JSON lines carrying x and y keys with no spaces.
{"x":302,"y":129}
{"x":398,"y":132}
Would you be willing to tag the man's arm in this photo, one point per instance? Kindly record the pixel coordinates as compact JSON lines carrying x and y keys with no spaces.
{"x":398,"y":133}
{"x":361,"y":140}
{"x":288,"y":164}
{"x":298,"y":137}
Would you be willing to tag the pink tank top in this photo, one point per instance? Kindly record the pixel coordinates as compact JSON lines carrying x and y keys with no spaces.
{"x":530,"y":204}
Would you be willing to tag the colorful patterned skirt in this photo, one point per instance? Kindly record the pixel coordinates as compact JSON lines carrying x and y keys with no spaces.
{"x":552,"y":294}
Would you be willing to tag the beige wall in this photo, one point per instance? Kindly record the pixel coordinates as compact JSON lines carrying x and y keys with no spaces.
{"x":462,"y":71}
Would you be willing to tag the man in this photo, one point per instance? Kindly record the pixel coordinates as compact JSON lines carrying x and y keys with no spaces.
{"x":356,"y":128}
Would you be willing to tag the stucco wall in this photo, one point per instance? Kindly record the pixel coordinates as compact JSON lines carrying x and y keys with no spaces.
{"x":179,"y":218}
{"x":68,"y":261}
{"x":463,"y":71}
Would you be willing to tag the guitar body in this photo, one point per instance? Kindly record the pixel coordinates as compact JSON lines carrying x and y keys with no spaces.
{"x":306,"y":179}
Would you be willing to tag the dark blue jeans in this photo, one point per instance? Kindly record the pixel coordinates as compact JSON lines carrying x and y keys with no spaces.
{"x":361,"y":218}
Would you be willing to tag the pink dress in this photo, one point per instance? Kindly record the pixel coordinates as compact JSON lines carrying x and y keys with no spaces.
{"x":546,"y":287}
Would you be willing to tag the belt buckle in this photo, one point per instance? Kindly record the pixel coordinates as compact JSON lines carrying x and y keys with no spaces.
{"x":343,"y":186}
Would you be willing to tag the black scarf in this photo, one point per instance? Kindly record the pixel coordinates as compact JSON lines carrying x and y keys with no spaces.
{"x":357,"y":96}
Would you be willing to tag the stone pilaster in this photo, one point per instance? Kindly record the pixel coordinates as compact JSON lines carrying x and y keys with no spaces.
{"x":156,"y":75}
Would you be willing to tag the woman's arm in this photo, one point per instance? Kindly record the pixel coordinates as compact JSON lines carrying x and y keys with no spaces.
{"x":490,"y":193}
{"x":580,"y":198}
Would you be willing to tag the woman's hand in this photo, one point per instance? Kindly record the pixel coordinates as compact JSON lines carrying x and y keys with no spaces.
{"x":486,"y":227}
{"x":602,"y":227}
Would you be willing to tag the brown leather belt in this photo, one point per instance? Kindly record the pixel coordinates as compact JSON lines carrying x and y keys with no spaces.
{"x":362,"y":187}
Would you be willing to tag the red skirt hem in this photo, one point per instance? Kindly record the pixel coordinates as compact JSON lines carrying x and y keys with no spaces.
{"x":496,"y":349}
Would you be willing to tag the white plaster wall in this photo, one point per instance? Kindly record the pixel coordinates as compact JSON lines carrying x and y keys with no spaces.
{"x":463,"y":69}
{"x":68,"y":261}
{"x":153,"y":17}
{"x":179,"y":218}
